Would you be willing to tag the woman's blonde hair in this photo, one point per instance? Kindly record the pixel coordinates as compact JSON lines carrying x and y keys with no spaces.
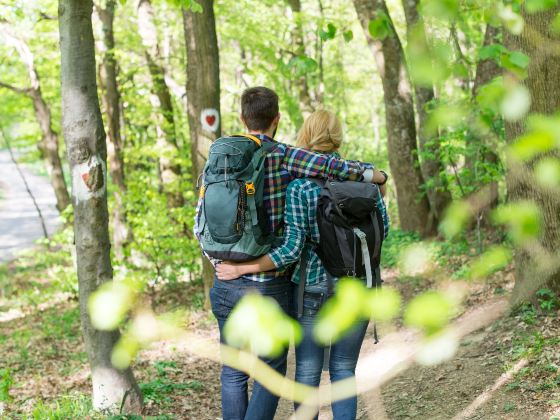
{"x":321,"y":131}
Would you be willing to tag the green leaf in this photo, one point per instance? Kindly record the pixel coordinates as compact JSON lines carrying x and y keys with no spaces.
{"x":555,"y":24}
{"x":456,"y":217}
{"x":109,"y":305}
{"x":535,"y":6}
{"x":380,"y":27}
{"x":258,"y":324}
{"x":519,"y":59}
{"x":523,"y":219}
{"x":340,"y":313}
{"x":348,"y":36}
{"x":491,"y":52}
{"x":513,"y":21}
{"x":516,"y":103}
{"x":547,"y":172}
{"x":382,"y":304}
{"x":443,"y":9}
{"x":330,"y":33}
{"x":302,"y":64}
{"x":532,"y":144}
{"x":429,"y":311}
{"x":494,"y":259}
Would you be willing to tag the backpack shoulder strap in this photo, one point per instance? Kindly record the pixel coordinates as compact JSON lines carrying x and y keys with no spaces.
{"x":302,"y":281}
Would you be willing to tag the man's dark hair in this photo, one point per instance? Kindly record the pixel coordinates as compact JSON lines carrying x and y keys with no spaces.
{"x":259,"y":107}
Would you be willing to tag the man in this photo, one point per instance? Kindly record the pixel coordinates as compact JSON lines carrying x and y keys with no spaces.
{"x":260,"y":116}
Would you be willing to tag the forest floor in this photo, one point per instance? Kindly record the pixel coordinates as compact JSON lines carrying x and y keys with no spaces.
{"x":44,"y":374}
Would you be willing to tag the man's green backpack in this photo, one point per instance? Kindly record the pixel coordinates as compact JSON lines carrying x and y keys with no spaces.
{"x":233,"y":222}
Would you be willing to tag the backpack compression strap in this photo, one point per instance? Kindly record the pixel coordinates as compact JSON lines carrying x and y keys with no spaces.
{"x":365,"y":256}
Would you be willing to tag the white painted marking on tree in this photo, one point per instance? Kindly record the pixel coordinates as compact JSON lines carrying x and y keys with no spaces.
{"x":210,"y":119}
{"x":83,"y":186}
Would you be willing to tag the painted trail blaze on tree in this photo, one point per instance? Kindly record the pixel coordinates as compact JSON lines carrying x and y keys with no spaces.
{"x":85,"y":142}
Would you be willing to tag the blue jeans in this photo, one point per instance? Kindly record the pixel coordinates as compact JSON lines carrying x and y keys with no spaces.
{"x":224,"y":295}
{"x":343,"y":356}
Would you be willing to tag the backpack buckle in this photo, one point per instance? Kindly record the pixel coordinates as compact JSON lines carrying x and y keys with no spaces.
{"x":250,"y":188}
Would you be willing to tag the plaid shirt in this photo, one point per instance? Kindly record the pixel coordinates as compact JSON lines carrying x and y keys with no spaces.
{"x":285,"y":163}
{"x":302,"y":230}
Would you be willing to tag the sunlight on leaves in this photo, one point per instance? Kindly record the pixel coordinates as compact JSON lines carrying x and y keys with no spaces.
{"x":416,"y":260}
{"x":437,"y":349}
{"x":523,"y":219}
{"x":446,"y":116}
{"x":443,"y":9}
{"x":531,"y":144}
{"x":258,"y":324}
{"x":456,"y":217}
{"x":382,"y":304}
{"x":493,"y":260}
{"x":109,"y":305}
{"x":547,"y":172}
{"x":341,"y":311}
{"x":124,"y":352}
{"x":512,"y":21}
{"x":516,"y":103}
{"x":429,"y":311}
{"x":535,"y":6}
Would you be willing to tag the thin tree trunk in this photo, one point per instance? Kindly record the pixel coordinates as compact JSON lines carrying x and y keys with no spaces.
{"x":414,"y":208}
{"x":439,"y":195}
{"x":305,"y":103}
{"x":203,"y":91}
{"x":170,"y":169}
{"x":111,"y":103}
{"x":49,"y":141}
{"x":543,"y":82}
{"x":85,"y":142}
{"x":486,"y":70}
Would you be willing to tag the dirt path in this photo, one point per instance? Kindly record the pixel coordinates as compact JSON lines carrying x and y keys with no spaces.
{"x":20,"y":225}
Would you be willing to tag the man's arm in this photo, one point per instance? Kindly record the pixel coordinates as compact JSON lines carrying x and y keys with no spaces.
{"x":297,"y":227}
{"x":303,"y":163}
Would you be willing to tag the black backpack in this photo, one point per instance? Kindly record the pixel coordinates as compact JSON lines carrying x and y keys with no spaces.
{"x":351,"y":233}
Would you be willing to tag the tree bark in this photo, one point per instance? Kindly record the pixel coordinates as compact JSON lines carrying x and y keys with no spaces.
{"x":49,"y":141}
{"x":111,"y":103}
{"x":170,"y":169}
{"x":414,"y":208}
{"x":305,"y":102}
{"x":486,"y":70}
{"x":540,"y":43}
{"x":203,"y":91}
{"x":85,"y":143}
{"x":438,"y":196}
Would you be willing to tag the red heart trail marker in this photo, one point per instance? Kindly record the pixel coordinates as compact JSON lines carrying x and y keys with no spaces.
{"x":210,"y":119}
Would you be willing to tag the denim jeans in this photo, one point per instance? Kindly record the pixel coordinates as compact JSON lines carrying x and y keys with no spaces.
{"x":343,"y":355}
{"x":224,"y":295}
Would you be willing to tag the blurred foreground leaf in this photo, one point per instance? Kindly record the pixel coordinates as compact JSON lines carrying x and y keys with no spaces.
{"x":523,"y":219}
{"x":109,"y":304}
{"x":492,"y":260}
{"x":260,"y":325}
{"x":429,"y":311}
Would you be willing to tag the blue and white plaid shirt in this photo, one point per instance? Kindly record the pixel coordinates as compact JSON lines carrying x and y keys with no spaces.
{"x":301,"y":230}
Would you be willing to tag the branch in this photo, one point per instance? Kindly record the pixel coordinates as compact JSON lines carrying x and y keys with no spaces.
{"x":22,"y":91}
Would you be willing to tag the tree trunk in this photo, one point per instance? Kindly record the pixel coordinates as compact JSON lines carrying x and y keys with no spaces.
{"x":414,"y":208}
{"x":111,"y":103}
{"x":438,"y":196}
{"x":203,"y":91}
{"x":305,"y":103}
{"x":486,"y":70}
{"x":49,"y":141}
{"x":85,"y":142}
{"x":543,"y":82}
{"x":170,"y":169}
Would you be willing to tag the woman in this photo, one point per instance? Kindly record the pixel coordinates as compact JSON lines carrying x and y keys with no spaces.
{"x":321,"y":132}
